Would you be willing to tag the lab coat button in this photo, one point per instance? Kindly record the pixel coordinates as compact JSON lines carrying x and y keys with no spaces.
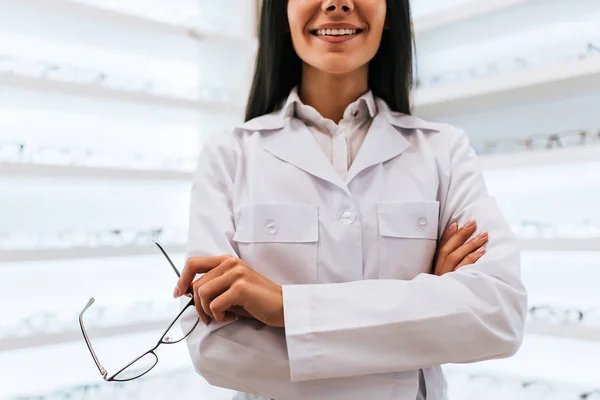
{"x":346,"y":218}
{"x":271,"y":228}
{"x":422,"y":223}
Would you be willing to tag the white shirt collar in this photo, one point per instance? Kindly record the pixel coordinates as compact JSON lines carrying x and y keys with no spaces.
{"x":294,"y":107}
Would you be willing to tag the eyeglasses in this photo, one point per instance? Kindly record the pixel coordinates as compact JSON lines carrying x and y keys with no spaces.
{"x":469,"y":386}
{"x":509,"y":64}
{"x":565,"y":316}
{"x":592,"y":395}
{"x":541,"y":141}
{"x":538,"y":229}
{"x":166,"y":83}
{"x":69,"y":239}
{"x":178,"y":383}
{"x":26,"y":153}
{"x":144,"y":363}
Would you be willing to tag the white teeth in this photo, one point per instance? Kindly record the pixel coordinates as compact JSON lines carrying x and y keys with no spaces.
{"x":335,"y":32}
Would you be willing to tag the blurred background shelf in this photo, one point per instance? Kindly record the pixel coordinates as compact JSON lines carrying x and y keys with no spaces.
{"x":561,"y":244}
{"x":578,"y":154}
{"x":66,"y":171}
{"x":40,"y":340}
{"x":26,"y":342}
{"x":563,"y":331}
{"x":109,"y":16}
{"x":532,"y":84}
{"x":82,"y":252}
{"x":42,"y":84}
{"x":462,"y":12}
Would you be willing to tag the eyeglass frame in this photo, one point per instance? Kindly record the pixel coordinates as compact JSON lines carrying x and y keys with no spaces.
{"x":163,"y":337}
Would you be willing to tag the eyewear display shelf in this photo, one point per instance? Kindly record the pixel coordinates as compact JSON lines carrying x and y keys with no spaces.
{"x":552,"y":351}
{"x":532,"y":84}
{"x":109,"y":16}
{"x":76,"y":171}
{"x":81,"y":252}
{"x":15,"y":350}
{"x":467,"y":10}
{"x":89,"y":90}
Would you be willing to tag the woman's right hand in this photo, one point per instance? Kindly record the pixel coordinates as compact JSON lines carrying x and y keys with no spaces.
{"x":454,"y":251}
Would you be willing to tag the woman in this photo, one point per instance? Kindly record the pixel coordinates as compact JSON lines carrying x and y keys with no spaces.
{"x":319,"y":219}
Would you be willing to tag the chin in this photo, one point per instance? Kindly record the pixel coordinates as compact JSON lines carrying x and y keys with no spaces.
{"x":337,"y":65}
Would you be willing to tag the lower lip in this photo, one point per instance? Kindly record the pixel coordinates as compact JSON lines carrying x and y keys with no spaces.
{"x":337,"y":39}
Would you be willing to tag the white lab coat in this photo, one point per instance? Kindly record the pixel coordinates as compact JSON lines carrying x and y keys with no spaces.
{"x":364,"y":316}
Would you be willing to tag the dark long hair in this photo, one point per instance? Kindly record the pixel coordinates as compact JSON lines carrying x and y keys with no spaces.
{"x":279,"y":69}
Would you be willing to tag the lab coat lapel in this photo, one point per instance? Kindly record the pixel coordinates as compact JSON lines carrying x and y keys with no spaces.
{"x":295,"y":145}
{"x":382,"y":143}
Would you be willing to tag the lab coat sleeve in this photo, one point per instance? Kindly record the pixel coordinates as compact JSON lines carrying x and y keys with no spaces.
{"x":379,"y":326}
{"x":227,"y":354}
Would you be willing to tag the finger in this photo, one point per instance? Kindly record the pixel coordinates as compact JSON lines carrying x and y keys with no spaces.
{"x":225,"y":301}
{"x":458,"y":255}
{"x":451,"y":230}
{"x":458,"y":239}
{"x":227,"y":265}
{"x":200,"y":311}
{"x":472,"y":258}
{"x":210,"y":290}
{"x":193,"y":266}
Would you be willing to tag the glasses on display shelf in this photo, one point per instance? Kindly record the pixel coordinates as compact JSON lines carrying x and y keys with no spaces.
{"x":453,"y":76}
{"x":120,"y":80}
{"x":467,"y":386}
{"x":49,"y":322}
{"x":173,"y":384}
{"x":591,"y":395}
{"x":91,"y":239}
{"x":566,"y":316}
{"x":568,"y":138}
{"x":499,"y":67}
{"x":528,"y":229}
{"x":145,"y":362}
{"x":23,"y":153}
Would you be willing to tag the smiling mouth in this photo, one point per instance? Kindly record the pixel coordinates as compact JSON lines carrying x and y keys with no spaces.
{"x":336,"y":32}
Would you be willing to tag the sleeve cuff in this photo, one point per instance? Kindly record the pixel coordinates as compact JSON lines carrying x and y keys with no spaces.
{"x":299,"y":332}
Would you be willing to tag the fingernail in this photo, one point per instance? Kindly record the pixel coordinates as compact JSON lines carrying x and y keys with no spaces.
{"x":482,"y":235}
{"x":470,"y":224}
{"x":176,"y":292}
{"x":452,"y":227}
{"x":480,"y":250}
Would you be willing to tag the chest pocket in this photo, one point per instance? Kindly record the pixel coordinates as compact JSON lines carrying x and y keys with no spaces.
{"x":407,"y":238}
{"x":279,"y":240}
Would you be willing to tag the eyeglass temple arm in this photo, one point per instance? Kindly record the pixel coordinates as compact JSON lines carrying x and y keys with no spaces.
{"x":87,"y":339}
{"x":170,"y":262}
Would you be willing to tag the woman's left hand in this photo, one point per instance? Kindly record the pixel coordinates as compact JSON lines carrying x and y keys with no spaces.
{"x":229,"y":283}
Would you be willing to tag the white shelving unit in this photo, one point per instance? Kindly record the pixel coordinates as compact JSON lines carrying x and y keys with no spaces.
{"x":28,"y":342}
{"x":462,"y":12}
{"x":567,"y":155}
{"x":81,"y":252}
{"x":557,"y":96}
{"x":563,"y":331}
{"x":89,"y":90}
{"x":561,"y":244}
{"x":73,"y":171}
{"x":109,"y":16}
{"x":533,"y":84}
{"x":32,"y":341}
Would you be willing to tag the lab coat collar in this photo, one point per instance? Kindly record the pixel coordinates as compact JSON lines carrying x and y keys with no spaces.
{"x":277,"y":119}
{"x":296,"y":145}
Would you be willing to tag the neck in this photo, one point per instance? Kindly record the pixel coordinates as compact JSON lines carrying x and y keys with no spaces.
{"x":330,"y":94}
